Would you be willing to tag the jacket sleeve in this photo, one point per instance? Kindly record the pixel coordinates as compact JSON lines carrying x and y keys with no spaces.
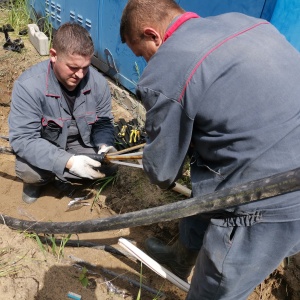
{"x":103,"y":129}
{"x":169,"y":131}
{"x":25,"y":132}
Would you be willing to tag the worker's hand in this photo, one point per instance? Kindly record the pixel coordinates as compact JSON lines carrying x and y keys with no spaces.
{"x":107,"y":149}
{"x":82,"y":166}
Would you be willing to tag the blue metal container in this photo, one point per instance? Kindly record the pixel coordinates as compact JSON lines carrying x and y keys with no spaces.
{"x":115,"y":58}
{"x":102,"y":19}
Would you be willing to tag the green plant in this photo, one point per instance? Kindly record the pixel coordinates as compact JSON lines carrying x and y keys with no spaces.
{"x":18,"y":15}
{"x":83,"y":277}
{"x":7,"y":268}
{"x":59,"y":251}
{"x":100,"y":185}
{"x":45,"y":26}
{"x":138,"y":297}
{"x":137,"y":69}
{"x":37,"y":239}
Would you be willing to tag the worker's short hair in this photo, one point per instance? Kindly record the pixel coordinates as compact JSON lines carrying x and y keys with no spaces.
{"x":72,"y":38}
{"x":138,"y":13}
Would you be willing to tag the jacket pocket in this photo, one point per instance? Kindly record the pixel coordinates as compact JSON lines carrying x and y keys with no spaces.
{"x":51,"y":129}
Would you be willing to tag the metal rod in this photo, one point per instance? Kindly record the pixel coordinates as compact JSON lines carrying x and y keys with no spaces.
{"x":126,"y":164}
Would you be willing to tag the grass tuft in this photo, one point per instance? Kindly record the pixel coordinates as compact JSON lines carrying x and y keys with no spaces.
{"x":7,"y":268}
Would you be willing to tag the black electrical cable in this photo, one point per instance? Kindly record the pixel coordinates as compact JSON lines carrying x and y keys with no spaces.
{"x":248,"y":192}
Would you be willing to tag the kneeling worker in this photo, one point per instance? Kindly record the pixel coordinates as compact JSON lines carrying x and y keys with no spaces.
{"x":61,"y":107}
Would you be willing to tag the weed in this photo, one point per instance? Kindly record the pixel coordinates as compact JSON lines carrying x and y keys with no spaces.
{"x":83,"y":277}
{"x":138,"y":297}
{"x":57,"y":251}
{"x":101,"y":184}
{"x":37,"y":239}
{"x":6,"y":268}
{"x":137,"y":69}
{"x":18,"y":15}
{"x":45,"y":26}
{"x":141,"y":281}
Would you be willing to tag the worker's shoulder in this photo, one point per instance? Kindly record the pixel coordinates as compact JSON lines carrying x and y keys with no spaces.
{"x":236,"y":18}
{"x":35,"y":71}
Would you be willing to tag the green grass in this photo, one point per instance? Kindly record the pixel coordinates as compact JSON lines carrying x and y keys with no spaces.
{"x":20,"y":15}
{"x":7,"y":268}
{"x":57,"y":251}
{"x":100,"y":185}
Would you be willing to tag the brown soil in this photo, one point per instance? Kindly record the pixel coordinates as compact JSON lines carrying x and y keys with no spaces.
{"x":28,"y":272}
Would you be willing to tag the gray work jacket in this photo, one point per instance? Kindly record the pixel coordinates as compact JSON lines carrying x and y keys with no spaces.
{"x":225,"y":88}
{"x":39,"y":117}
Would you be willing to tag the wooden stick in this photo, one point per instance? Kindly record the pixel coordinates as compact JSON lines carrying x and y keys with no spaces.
{"x":127,"y":149}
{"x":124,"y":157}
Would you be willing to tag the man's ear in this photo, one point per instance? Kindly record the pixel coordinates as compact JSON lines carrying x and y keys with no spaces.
{"x":53,"y":56}
{"x":152,"y":35}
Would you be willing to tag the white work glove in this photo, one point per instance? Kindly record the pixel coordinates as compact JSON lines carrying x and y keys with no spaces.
{"x":107,"y":149}
{"x":82,"y":166}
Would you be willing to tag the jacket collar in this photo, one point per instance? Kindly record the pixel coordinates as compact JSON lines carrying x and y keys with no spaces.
{"x":179,"y":21}
{"x":53,"y":88}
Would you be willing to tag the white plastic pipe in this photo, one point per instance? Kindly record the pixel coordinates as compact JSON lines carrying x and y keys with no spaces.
{"x":153,"y":265}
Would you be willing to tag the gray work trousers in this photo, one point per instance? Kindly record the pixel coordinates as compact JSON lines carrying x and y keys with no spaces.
{"x":30,"y":174}
{"x":238,"y":252}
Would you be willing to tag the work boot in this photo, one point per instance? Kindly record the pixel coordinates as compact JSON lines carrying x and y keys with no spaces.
{"x":177,"y":257}
{"x":62,"y":186}
{"x":31,"y":192}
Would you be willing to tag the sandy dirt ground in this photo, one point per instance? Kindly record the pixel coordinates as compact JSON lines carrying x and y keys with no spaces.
{"x":31,"y":270}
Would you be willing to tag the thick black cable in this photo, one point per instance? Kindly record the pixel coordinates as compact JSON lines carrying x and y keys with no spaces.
{"x":249,"y":192}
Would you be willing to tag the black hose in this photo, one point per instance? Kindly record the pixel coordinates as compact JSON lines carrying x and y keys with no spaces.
{"x":80,"y":243}
{"x":252,"y":191}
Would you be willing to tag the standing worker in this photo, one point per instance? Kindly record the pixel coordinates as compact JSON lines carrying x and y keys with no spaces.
{"x":61,"y":107}
{"x":225,"y":89}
